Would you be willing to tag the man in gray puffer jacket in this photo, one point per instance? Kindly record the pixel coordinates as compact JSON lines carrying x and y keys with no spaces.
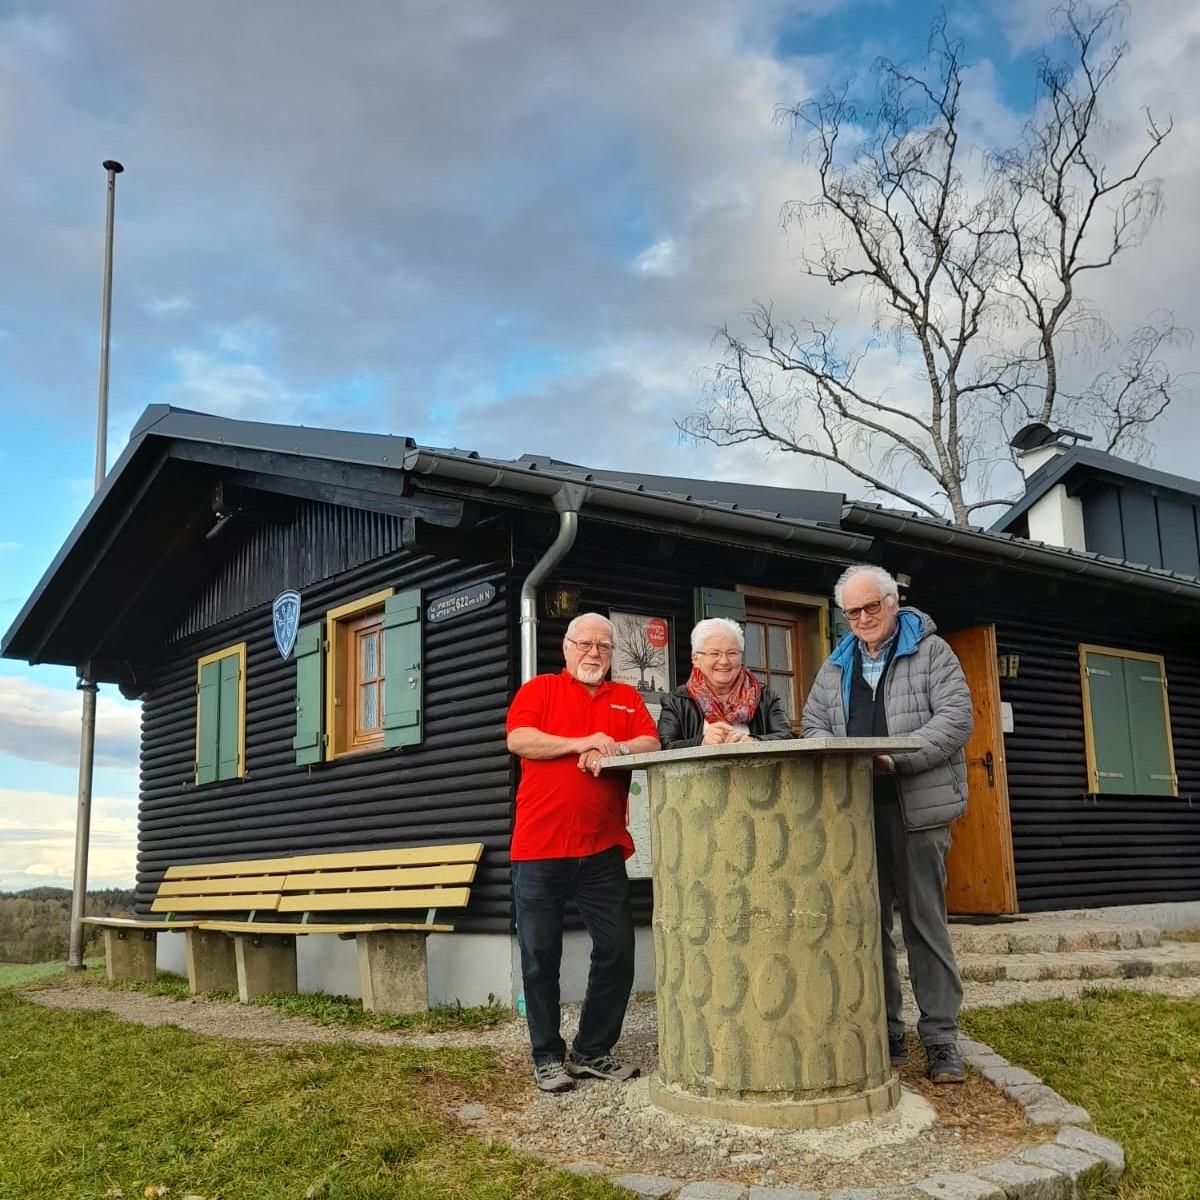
{"x":892,"y":675}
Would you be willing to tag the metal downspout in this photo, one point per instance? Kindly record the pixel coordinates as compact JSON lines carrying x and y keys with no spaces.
{"x":568,"y":500}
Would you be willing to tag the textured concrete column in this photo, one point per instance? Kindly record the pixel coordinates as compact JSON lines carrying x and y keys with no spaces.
{"x":766,"y":933}
{"x":129,"y":955}
{"x":392,"y":973}
{"x":211,"y":962}
{"x":264,"y":965}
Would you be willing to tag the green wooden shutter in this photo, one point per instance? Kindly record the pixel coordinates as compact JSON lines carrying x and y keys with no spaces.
{"x":402,"y":669}
{"x":229,"y":750}
{"x":208,"y":707}
{"x":713,"y":602}
{"x":1150,"y":736}
{"x":309,"y":742}
{"x":1109,"y":706}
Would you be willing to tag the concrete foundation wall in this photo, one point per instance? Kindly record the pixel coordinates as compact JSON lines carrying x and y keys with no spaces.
{"x":463,"y":968}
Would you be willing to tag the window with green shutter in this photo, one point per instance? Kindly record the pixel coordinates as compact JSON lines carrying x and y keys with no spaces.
{"x":359,"y":678}
{"x":221,"y":715}
{"x":1127,"y":723}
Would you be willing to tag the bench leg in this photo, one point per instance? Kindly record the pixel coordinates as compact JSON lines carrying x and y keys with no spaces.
{"x":211,"y":963}
{"x":130,"y":954}
{"x":392,"y":973}
{"x":264,"y":965}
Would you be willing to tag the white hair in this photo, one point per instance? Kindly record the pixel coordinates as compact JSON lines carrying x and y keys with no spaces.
{"x":887,"y":585}
{"x":710,"y":627}
{"x":579,"y":620}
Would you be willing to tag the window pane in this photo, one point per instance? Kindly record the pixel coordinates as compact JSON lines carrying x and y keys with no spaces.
{"x":781,"y":685}
{"x":781,"y":648}
{"x":369,"y":706}
{"x":754,"y":646}
{"x":368,"y":655}
{"x":763,"y":678}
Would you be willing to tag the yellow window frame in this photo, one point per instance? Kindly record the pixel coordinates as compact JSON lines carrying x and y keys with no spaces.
{"x":335,"y":618}
{"x":239,"y":649}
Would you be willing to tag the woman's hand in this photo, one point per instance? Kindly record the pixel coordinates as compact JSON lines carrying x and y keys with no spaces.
{"x":717,"y":733}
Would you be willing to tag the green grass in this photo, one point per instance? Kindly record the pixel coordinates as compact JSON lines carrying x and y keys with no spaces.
{"x":1132,"y":1060}
{"x":20,"y":974}
{"x":92,"y":1107}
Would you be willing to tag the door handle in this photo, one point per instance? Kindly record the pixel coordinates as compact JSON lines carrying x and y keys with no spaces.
{"x":989,"y":765}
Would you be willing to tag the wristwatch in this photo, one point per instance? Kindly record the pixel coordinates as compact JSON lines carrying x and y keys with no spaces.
{"x":622,"y":747}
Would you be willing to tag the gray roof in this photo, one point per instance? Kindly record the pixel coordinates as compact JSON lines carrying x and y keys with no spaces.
{"x":1081,"y":461}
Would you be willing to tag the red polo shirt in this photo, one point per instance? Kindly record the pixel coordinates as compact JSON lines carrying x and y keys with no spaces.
{"x":563,"y":812}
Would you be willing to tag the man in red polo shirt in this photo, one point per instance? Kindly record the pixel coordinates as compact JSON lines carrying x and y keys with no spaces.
{"x":570,"y":841}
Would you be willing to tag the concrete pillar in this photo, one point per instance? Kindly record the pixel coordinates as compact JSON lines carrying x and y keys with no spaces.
{"x":211,"y":962}
{"x":130,"y":955}
{"x":766,"y":933}
{"x":392,"y":972}
{"x":265,"y":965}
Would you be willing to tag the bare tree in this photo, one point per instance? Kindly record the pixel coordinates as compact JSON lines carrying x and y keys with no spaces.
{"x":971,"y":265}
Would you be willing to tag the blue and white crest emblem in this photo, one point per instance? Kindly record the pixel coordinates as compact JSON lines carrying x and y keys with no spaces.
{"x":285,"y":616}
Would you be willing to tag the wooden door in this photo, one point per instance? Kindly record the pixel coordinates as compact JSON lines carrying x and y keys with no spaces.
{"x":981,"y":877}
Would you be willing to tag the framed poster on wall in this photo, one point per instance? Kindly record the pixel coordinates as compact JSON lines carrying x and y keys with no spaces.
{"x":643,"y":655}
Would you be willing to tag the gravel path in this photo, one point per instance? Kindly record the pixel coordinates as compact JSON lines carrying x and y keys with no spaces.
{"x":935,"y":1129}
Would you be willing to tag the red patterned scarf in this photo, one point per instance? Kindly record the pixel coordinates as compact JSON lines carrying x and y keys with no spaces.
{"x":736,"y":708}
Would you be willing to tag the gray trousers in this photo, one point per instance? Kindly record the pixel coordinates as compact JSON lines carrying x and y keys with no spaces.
{"x":912,"y":876}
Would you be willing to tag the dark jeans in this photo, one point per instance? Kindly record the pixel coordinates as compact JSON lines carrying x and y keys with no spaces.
{"x":600,"y":888}
{"x":912,"y":877}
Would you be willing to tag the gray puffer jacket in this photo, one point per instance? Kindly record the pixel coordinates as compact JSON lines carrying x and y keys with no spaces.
{"x":926,"y":696}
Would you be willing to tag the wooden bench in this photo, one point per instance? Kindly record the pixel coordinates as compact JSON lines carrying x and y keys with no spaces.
{"x":280,"y":899}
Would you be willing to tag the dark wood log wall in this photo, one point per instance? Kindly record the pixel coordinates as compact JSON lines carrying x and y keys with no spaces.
{"x":1072,"y":850}
{"x":456,"y":786}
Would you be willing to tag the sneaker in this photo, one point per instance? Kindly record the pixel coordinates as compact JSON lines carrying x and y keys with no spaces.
{"x":603,"y":1066}
{"x":945,"y":1063}
{"x":897,"y":1049}
{"x":551,"y":1077}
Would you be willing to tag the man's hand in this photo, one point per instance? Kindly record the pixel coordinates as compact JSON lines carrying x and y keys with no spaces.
{"x":603,"y":742}
{"x":884,"y":764}
{"x":590,"y":760}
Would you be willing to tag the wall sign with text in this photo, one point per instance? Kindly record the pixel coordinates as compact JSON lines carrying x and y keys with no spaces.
{"x":444,"y":608}
{"x":643,"y":656}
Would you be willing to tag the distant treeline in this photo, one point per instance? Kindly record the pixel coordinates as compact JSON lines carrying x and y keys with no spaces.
{"x":35,"y":924}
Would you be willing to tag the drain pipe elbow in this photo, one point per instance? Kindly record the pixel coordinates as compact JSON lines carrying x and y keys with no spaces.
{"x":568,"y":500}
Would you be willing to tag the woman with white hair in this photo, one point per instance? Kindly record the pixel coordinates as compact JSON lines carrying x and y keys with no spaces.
{"x":722,"y":701}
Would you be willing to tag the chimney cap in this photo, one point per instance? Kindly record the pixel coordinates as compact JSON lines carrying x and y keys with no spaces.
{"x":1037,"y":434}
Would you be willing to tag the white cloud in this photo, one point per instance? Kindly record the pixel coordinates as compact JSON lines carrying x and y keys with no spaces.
{"x":41,"y":724}
{"x":10,"y":547}
{"x":37,"y":840}
{"x":161,"y":306}
{"x":660,"y":259}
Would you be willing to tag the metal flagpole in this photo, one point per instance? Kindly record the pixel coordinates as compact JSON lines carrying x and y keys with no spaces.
{"x":87,"y":737}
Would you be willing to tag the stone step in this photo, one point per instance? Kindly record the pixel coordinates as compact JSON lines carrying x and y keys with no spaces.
{"x":1171,"y":960}
{"x":1049,"y":936}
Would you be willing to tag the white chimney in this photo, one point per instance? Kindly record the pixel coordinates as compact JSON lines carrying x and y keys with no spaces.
{"x":1056,"y":517}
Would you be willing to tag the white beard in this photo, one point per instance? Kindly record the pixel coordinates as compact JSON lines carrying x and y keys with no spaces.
{"x":590,"y":675}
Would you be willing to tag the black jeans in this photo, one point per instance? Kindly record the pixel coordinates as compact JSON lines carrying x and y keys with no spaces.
{"x":600,"y":888}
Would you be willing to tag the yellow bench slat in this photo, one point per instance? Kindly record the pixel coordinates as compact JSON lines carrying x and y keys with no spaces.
{"x":221,"y":887}
{"x":133,"y":923}
{"x":242,"y":903}
{"x":386,"y":878}
{"x":343,"y":860}
{"x":350,"y":901}
{"x":319,"y":927}
{"x":408,"y":856}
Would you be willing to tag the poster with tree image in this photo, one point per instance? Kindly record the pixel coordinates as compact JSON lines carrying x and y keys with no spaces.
{"x":642,"y":655}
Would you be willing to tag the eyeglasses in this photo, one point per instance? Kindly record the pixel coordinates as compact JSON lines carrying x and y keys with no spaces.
{"x":588,"y":647}
{"x":852,"y":614}
{"x":717,"y":655}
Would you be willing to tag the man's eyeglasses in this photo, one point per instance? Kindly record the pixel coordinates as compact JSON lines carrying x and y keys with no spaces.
{"x":589,"y":646}
{"x":852,"y":614}
{"x":717,"y":655}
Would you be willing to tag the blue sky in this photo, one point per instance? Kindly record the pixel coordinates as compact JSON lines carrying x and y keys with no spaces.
{"x":504,"y":226}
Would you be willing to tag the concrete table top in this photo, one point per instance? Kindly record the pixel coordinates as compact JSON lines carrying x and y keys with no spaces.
{"x":735,"y":750}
